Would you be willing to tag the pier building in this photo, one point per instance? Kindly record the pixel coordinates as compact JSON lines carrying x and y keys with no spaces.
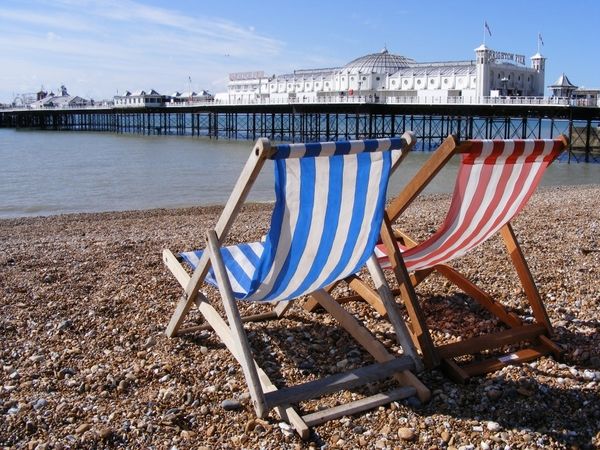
{"x":386,"y":75}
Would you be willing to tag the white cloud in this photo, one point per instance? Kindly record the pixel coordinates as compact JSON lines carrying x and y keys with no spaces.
{"x":123,"y":44}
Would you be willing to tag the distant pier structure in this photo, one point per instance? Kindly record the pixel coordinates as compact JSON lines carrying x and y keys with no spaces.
{"x":497,"y":95}
{"x":331,"y":121}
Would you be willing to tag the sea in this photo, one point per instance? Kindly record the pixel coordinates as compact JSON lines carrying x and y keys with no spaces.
{"x":57,"y":172}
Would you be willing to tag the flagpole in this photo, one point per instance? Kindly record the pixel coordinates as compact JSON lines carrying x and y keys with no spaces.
{"x":484,"y":32}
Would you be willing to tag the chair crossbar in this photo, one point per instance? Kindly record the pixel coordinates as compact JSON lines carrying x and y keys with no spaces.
{"x":491,"y":341}
{"x":357,"y":406}
{"x":337,"y":382}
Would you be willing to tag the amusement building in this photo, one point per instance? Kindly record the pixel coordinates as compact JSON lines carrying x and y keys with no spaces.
{"x":386,"y":77}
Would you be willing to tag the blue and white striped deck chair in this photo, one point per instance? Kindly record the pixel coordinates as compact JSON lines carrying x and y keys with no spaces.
{"x":326,"y":221}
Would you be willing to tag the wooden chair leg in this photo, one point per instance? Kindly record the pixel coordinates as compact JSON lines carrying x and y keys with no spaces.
{"x":402,"y":335}
{"x":518,"y":259}
{"x":409,"y":296}
{"x":235,"y":322}
{"x":312,"y":304}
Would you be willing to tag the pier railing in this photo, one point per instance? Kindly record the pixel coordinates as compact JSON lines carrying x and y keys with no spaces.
{"x":341,"y":99}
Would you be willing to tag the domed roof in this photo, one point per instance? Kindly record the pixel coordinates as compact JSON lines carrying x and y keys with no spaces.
{"x":382,"y":62}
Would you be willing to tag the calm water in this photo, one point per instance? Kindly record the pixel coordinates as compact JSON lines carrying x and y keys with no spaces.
{"x":47,"y":172}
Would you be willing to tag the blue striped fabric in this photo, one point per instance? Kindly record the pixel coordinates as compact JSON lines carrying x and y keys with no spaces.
{"x":325,"y":223}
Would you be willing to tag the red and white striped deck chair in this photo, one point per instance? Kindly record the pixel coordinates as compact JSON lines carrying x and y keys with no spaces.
{"x":495,"y":180}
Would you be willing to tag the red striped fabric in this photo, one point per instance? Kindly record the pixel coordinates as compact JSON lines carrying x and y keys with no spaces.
{"x":494,"y":182}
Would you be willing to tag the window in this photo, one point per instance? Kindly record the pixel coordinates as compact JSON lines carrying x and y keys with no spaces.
{"x":351,"y":78}
{"x":393,"y":82}
{"x":405,"y":82}
{"x":377,"y":78}
{"x":418,"y":82}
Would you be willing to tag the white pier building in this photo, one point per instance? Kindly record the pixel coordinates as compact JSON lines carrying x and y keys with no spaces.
{"x":387,"y":77}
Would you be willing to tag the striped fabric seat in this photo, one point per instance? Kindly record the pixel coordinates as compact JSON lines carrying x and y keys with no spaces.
{"x":495,"y":180}
{"x":330,"y":200}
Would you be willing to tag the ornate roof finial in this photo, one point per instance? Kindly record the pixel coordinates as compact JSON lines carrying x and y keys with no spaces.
{"x":384,"y":50}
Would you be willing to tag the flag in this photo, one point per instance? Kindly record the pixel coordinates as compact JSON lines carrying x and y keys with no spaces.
{"x":487,"y":27}
{"x":540,"y":38}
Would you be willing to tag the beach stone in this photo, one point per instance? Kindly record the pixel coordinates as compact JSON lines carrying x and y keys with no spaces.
{"x":30,"y":427}
{"x":64,"y":325}
{"x":49,"y":278}
{"x":445,"y":436}
{"x":150,"y":342}
{"x":105,"y":433}
{"x":406,"y":434}
{"x":230,"y":404}
{"x":493,"y":426}
{"x":82,"y":428}
{"x":40,"y":403}
{"x":494,"y":394}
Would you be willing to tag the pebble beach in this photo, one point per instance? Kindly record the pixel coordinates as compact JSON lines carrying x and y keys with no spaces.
{"x":85,"y":363}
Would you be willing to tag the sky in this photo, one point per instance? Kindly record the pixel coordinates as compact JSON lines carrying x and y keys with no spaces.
{"x":98,"y":48}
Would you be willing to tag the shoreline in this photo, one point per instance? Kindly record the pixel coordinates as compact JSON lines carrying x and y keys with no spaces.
{"x":185,"y":209}
{"x":85,"y":362}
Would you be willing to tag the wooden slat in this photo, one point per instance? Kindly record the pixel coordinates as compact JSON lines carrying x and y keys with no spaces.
{"x":367,"y":294}
{"x":409,"y":297}
{"x":312,"y":304}
{"x":338,"y":382}
{"x":175,"y":267}
{"x":490,"y":341}
{"x":454,"y":371}
{"x":556,"y":349}
{"x":235,"y":322}
{"x":492,"y":364}
{"x":403,"y":337}
{"x":518,"y":259}
{"x":482,"y":297}
{"x":422,"y":178}
{"x":356,"y":406}
{"x":270,"y":315}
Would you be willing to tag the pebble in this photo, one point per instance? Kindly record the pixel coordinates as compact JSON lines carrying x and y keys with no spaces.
{"x":445,"y":436}
{"x":493,"y":426}
{"x":230,"y":404}
{"x":40,"y":403}
{"x":407,"y":434}
{"x":105,"y":433}
{"x":494,"y":394}
{"x":150,"y":342}
{"x":286,"y":429}
{"x":30,"y":427}
{"x":82,"y":428}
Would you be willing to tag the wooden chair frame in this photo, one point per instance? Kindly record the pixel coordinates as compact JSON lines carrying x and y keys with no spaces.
{"x":538,"y":333}
{"x":265,"y":396}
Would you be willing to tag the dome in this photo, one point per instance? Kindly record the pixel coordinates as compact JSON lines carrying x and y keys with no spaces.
{"x":382,"y":62}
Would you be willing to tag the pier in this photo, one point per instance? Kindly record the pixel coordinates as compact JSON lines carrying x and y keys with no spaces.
{"x":294,"y":122}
